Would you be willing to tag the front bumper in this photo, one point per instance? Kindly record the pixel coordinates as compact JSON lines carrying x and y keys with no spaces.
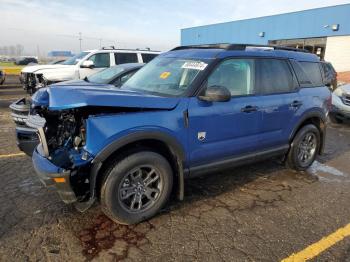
{"x":27,"y":139}
{"x":52,"y":175}
{"x":339,"y":108}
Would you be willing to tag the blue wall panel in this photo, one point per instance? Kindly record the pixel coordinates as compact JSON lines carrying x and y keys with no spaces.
{"x":303,"y":24}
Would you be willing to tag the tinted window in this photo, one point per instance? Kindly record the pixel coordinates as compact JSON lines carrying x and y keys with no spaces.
{"x":237,"y":75}
{"x":303,"y":79}
{"x":148,"y":57}
{"x":126,"y":77}
{"x":100,"y":60}
{"x":123,"y":58}
{"x":105,"y":76}
{"x":313,"y":72}
{"x":274,"y":76}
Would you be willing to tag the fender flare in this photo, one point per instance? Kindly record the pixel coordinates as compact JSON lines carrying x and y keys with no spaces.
{"x":174,"y":146}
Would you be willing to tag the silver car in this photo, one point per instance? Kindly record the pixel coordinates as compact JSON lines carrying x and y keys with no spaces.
{"x":341,"y":103}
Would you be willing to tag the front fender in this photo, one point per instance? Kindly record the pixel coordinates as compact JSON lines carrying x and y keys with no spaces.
{"x":138,"y":135}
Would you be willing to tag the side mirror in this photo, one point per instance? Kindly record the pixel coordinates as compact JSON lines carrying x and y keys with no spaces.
{"x":216,"y":94}
{"x":87,"y":64}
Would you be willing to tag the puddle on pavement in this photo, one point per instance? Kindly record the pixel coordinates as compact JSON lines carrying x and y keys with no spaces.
{"x":104,"y":233}
{"x":327,"y":173}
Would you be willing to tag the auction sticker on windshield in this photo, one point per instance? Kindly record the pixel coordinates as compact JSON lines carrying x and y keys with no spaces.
{"x":195,"y":65}
{"x":165,"y":75}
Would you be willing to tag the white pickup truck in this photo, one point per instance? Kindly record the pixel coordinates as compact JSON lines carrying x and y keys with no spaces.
{"x":81,"y":66}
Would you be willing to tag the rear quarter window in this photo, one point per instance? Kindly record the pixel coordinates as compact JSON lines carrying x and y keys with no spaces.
{"x":303,"y":79}
{"x":313,"y":72}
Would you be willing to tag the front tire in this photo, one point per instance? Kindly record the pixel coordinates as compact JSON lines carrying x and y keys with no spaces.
{"x":137,"y":187}
{"x":304,"y":148}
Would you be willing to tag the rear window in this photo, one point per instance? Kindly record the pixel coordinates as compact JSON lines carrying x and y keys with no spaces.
{"x":148,"y":57}
{"x":123,"y":58}
{"x":313,"y":72}
{"x":274,"y":76}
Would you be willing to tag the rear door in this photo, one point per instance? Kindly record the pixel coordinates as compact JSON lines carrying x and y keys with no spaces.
{"x":223,"y":130}
{"x":279,"y":101}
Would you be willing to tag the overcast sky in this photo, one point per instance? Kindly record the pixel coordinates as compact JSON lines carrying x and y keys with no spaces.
{"x":55,"y":25}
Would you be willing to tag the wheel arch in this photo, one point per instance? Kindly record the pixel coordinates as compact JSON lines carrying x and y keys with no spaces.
{"x":316,"y":118}
{"x":156,"y":141}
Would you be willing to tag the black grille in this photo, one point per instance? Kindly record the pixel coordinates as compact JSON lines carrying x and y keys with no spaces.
{"x":346,"y":99}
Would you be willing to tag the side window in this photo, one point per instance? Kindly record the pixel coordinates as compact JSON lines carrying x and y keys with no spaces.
{"x":123,"y":58}
{"x":126,"y":77}
{"x":313,"y":71}
{"x":274,"y":76}
{"x":148,"y":57}
{"x":304,"y":81}
{"x":237,"y":75}
{"x":100,"y":60}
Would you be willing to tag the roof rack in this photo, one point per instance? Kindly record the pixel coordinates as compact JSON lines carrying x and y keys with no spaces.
{"x":239,"y":47}
{"x":126,"y":49}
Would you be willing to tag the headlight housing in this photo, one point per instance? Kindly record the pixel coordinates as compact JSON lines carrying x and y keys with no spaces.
{"x":339,"y":92}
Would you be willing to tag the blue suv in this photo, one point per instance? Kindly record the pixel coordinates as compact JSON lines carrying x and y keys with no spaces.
{"x":190,"y":111}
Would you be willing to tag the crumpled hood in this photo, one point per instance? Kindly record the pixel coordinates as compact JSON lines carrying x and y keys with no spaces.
{"x":59,"y":97}
{"x":35,"y":68}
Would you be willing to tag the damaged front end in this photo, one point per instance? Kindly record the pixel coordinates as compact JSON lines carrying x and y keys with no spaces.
{"x":60,"y":159}
{"x":74,"y":124}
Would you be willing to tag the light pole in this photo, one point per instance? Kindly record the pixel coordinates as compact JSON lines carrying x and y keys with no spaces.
{"x":80,"y":40}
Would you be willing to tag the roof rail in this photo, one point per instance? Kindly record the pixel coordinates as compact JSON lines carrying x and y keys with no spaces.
{"x":126,"y":49}
{"x":108,"y":47}
{"x":241,"y":47}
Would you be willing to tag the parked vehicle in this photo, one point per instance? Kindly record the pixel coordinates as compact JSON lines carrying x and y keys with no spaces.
{"x":190,"y":111}
{"x":81,"y":66}
{"x":27,"y":138}
{"x":26,"y":61}
{"x":341,"y":103}
{"x":2,"y":77}
{"x":330,"y":75}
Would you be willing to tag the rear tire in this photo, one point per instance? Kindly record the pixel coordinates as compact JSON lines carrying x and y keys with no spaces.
{"x":304,"y":148}
{"x":136,"y":187}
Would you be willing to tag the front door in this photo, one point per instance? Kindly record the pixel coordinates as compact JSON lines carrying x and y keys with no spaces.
{"x":223,"y":130}
{"x":101,"y":61}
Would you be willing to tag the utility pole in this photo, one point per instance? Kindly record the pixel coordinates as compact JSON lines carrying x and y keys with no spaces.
{"x":80,"y":39}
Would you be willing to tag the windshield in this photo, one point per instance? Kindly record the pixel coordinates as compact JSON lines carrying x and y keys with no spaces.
{"x":106,"y":75}
{"x":166,"y":76}
{"x":75,"y":59}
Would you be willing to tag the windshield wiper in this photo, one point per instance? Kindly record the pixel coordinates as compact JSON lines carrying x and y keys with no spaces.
{"x":86,"y":79}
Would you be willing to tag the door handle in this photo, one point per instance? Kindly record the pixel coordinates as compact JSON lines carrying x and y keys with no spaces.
{"x":296,"y":104}
{"x":249,"y":109}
